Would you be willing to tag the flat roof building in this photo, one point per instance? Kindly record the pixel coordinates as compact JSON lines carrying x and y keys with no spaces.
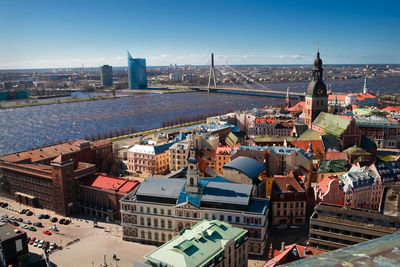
{"x":106,"y":75}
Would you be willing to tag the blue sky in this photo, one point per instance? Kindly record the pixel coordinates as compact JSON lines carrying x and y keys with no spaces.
{"x":39,"y":34}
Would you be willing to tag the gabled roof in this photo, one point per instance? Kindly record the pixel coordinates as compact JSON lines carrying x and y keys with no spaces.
{"x":330,"y":142}
{"x":250,"y":167}
{"x":332,"y":124}
{"x":227,"y":193}
{"x":300,"y":128}
{"x":287,"y":184}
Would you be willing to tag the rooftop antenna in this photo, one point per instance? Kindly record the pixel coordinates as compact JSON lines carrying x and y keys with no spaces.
{"x":212,"y":72}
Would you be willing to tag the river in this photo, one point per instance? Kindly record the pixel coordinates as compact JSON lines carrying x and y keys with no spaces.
{"x":30,"y":127}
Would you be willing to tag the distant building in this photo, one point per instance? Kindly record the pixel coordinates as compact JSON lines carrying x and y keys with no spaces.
{"x":137,"y":75}
{"x":14,"y":245}
{"x":222,"y":157}
{"x":106,"y":75}
{"x":207,"y":243}
{"x":333,"y":227}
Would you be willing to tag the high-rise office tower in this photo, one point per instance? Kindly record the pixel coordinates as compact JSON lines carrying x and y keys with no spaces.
{"x":137,"y":72}
{"x":106,"y":75}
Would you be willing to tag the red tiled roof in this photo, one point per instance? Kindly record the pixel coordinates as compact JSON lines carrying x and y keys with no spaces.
{"x":111,"y":183}
{"x":335,"y":155}
{"x":392,"y":109}
{"x":300,"y":106}
{"x":283,"y":181}
{"x":364,"y":96}
{"x":223,"y":150}
{"x":317,"y":145}
{"x":265,"y":120}
{"x":281,"y":257}
{"x":44,"y":152}
{"x":339,"y":97}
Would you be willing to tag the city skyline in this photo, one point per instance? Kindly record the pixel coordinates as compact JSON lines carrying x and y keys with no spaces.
{"x":41,"y":35}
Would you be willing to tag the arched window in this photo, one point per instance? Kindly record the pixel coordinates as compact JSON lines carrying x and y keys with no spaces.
{"x":191,"y":181}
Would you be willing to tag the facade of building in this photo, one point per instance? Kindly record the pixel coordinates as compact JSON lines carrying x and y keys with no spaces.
{"x":333,"y":227}
{"x":99,"y":195}
{"x":362,"y":188}
{"x":385,"y":132}
{"x":288,"y":200}
{"x":222,"y":157}
{"x":178,"y":155}
{"x":316,"y":94}
{"x":207,"y":243}
{"x":149,"y":159}
{"x":329,"y":190}
{"x":106,"y":75}
{"x":137,"y":75}
{"x":161,"y":208}
{"x":49,"y":177}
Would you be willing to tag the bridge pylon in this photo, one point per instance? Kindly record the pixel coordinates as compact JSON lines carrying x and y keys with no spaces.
{"x":212,"y":72}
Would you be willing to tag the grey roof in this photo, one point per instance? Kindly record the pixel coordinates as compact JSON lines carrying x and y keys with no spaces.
{"x":228,"y":193}
{"x":161,"y":187}
{"x":330,"y":142}
{"x":251,"y":167}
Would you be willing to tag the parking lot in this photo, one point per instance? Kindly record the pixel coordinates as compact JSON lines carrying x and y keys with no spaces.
{"x":81,"y":242}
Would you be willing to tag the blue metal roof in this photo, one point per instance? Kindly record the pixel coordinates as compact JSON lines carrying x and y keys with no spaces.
{"x":251,"y":167}
{"x":228,"y":193}
{"x":162,"y":148}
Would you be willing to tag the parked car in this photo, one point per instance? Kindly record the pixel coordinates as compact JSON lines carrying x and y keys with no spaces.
{"x":19,"y":220}
{"x":38,"y":224}
{"x":15,"y":223}
{"x":54,"y":219}
{"x":11,"y":217}
{"x":53,"y":228}
{"x":41,"y":244}
{"x":32,"y":240}
{"x":66,"y":222}
{"x":3,"y":220}
{"x":36,"y":243}
{"x":27,"y":221}
{"x":23,"y":211}
{"x":53,"y":246}
{"x":61,"y":221}
{"x":29,"y":213}
{"x":3,"y":204}
{"x":32,"y":228}
{"x":4,"y":215}
{"x":46,"y":232}
{"x":24,"y":226}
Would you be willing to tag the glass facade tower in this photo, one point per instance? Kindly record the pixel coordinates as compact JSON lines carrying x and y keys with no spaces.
{"x":137,"y":72}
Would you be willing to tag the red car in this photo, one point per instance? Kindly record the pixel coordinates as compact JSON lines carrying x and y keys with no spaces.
{"x":46,"y":232}
{"x":32,"y":240}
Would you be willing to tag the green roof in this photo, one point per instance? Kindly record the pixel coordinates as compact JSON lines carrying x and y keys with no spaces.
{"x":328,"y":166}
{"x":262,"y":139}
{"x":332,"y":124}
{"x":310,"y":134}
{"x":196,"y":246}
{"x":231,"y":139}
{"x":356,"y":151}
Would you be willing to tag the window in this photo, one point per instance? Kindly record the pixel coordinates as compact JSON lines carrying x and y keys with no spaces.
{"x":149,"y":235}
{"x":155,"y":210}
{"x":148,"y":222}
{"x":169,"y":224}
{"x":169,"y":212}
{"x":148,"y":210}
{"x":162,"y":211}
{"x":143,"y":234}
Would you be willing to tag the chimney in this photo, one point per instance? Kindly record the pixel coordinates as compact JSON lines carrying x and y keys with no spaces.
{"x":282,"y":246}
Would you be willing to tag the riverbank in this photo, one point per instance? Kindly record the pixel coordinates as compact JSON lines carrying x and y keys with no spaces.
{"x":152,"y":131}
{"x":31,"y":104}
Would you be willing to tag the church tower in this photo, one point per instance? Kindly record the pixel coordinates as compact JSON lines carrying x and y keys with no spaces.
{"x":192,"y":173}
{"x":287,"y":101}
{"x":316,"y":95}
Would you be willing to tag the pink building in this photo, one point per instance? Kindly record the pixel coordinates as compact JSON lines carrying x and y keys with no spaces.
{"x":329,"y":191}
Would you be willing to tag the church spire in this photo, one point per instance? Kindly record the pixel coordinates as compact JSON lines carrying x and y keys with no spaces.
{"x":365,"y":89}
{"x":287,"y":103}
